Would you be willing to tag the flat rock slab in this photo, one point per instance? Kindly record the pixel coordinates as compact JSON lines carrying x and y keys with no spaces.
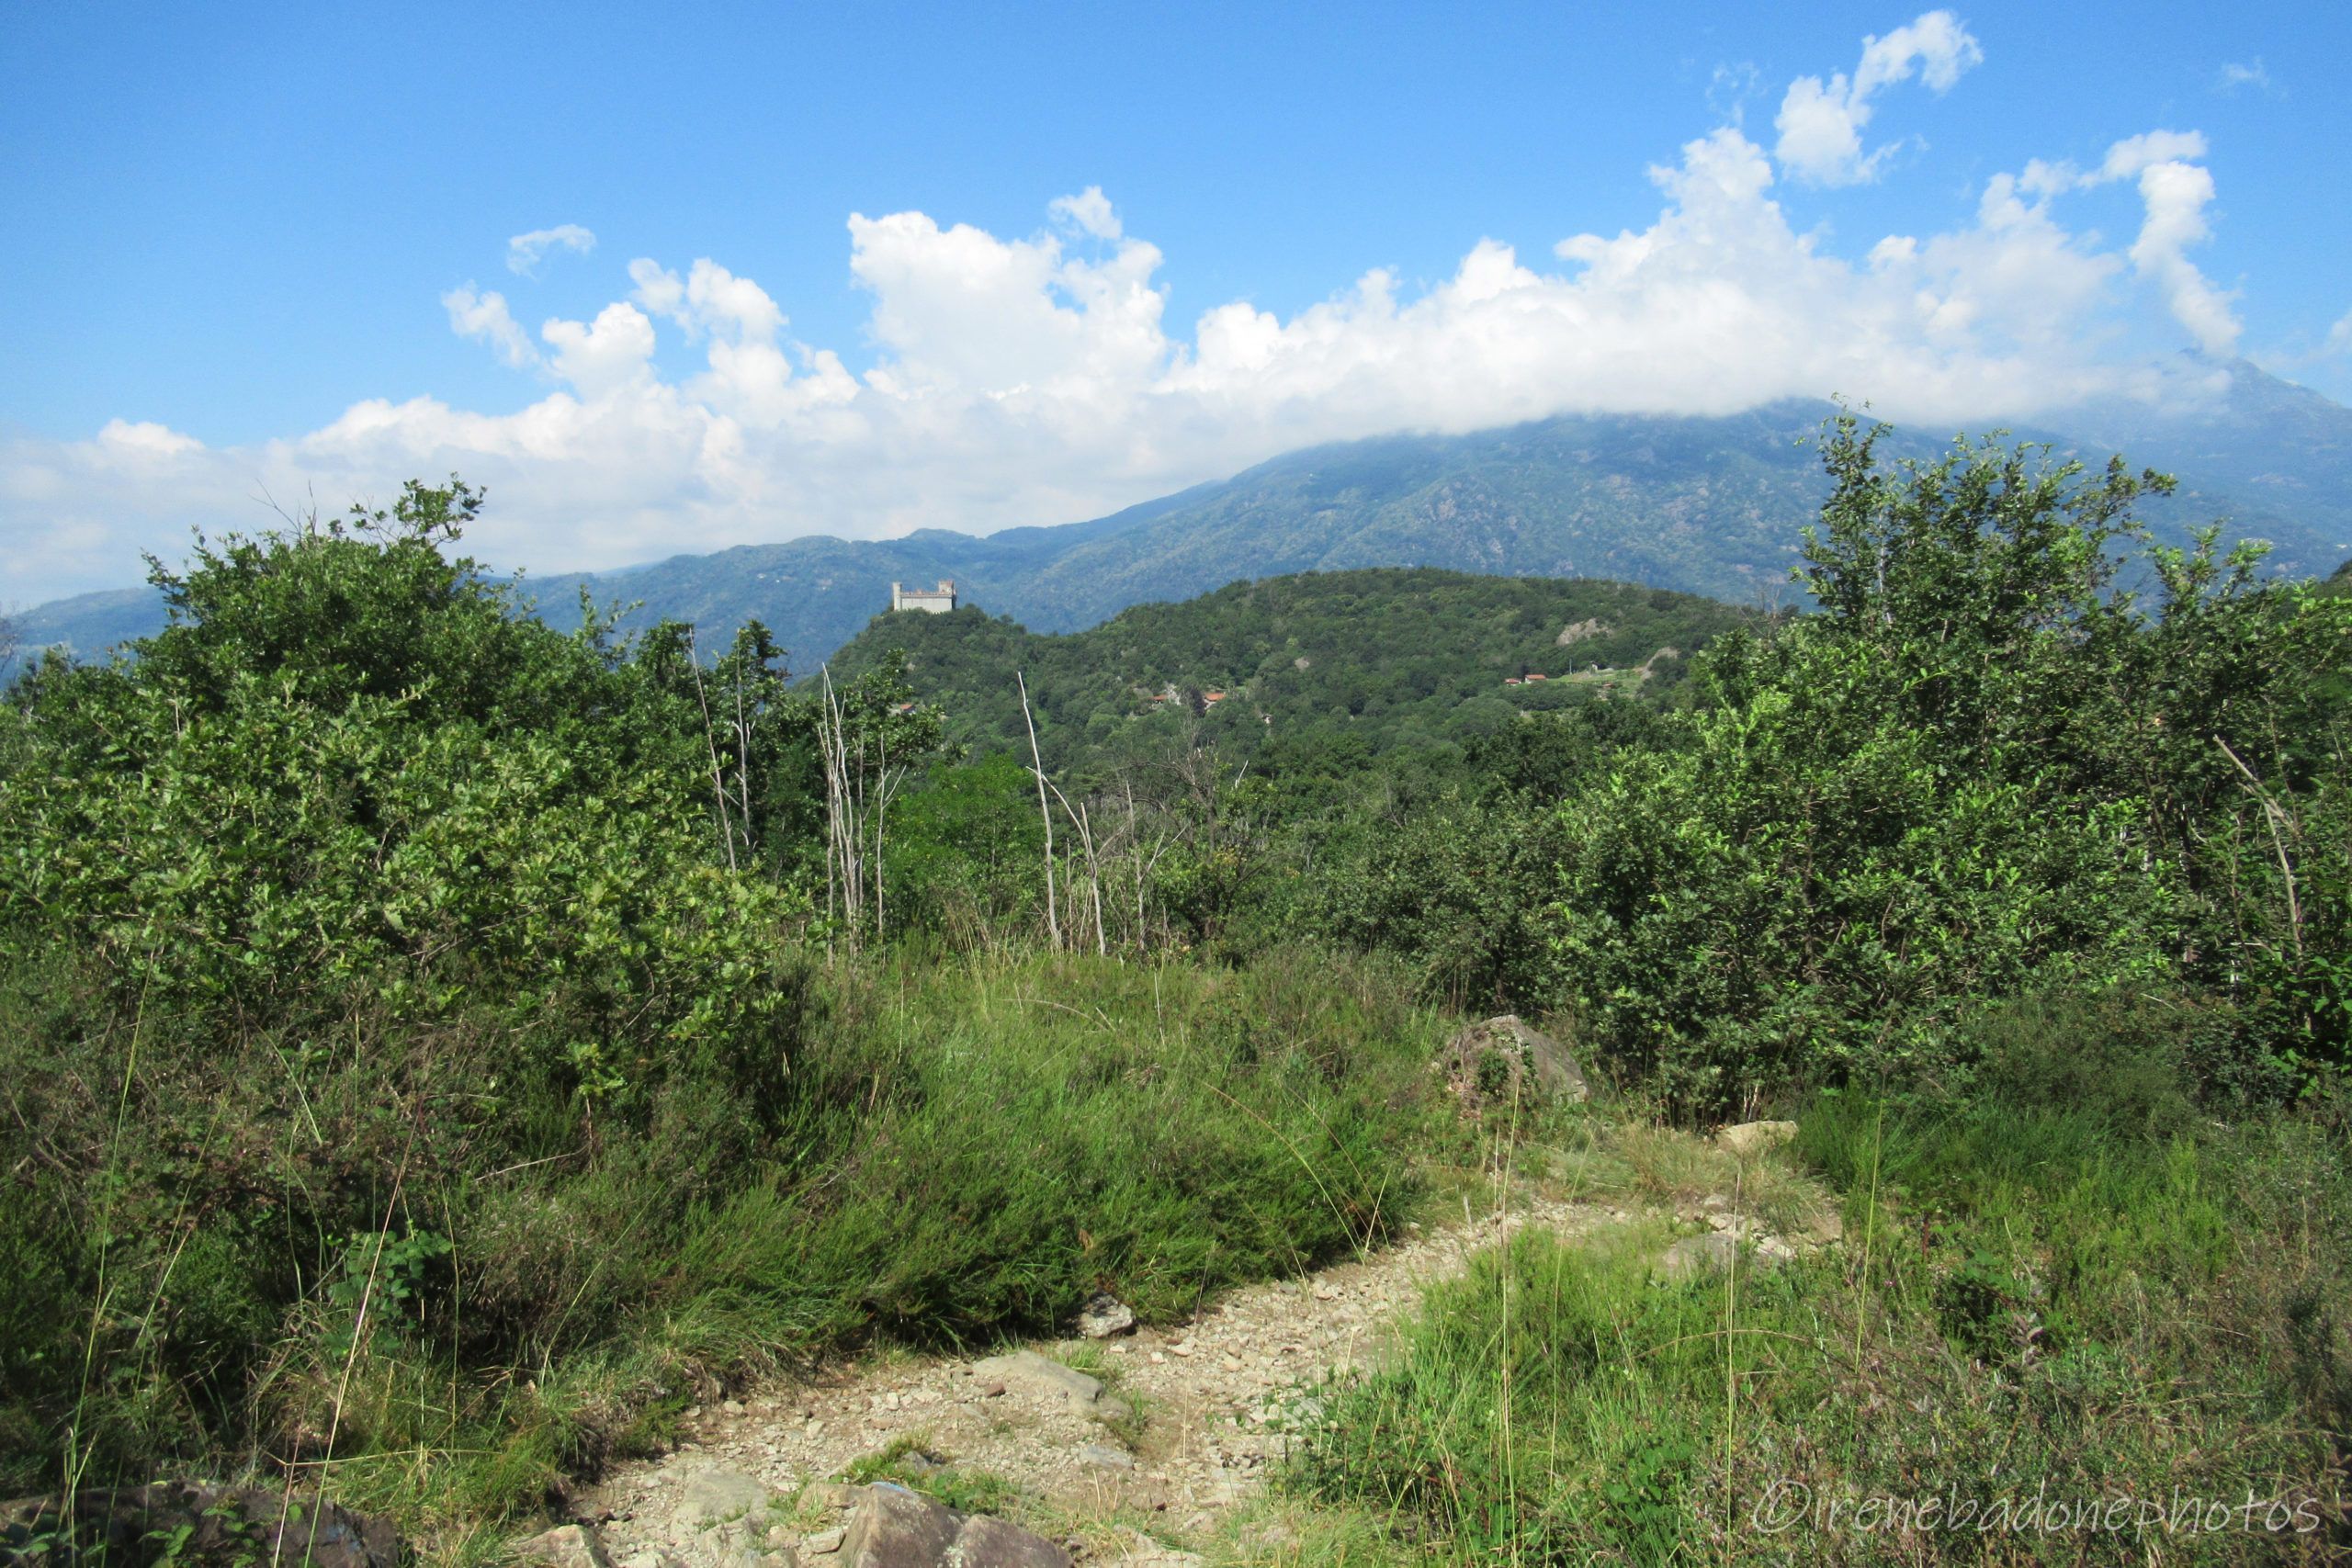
{"x":1032,"y":1373}
{"x":720,"y":1496}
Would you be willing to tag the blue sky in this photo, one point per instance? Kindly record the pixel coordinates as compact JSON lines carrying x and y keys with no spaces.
{"x":251,"y":249}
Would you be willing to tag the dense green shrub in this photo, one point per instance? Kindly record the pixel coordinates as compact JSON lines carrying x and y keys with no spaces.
{"x":1984,"y":769}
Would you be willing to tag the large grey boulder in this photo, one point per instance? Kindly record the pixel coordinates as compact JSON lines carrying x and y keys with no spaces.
{"x":1504,"y":1059}
{"x":894,"y":1527}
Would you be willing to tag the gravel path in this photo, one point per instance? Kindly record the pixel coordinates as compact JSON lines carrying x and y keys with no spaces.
{"x":1205,"y":1400}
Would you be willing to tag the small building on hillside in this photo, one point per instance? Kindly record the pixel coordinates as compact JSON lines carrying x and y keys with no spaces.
{"x":938,"y":601}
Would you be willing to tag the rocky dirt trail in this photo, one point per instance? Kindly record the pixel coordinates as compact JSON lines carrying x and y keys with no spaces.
{"x":1115,"y":1445}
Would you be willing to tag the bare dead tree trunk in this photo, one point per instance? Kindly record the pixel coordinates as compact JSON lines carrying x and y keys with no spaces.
{"x":1093,"y":882}
{"x":1093,"y":874}
{"x":710,"y":743}
{"x":845,"y":878}
{"x":1045,"y":813}
{"x":743,"y":764}
{"x":1077,"y":820}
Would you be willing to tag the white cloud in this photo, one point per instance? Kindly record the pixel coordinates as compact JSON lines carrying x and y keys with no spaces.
{"x":477,"y":314}
{"x":146,"y":439}
{"x":605,"y":355}
{"x":1821,"y":122}
{"x":2339,"y":336}
{"x":2135,"y":154}
{"x":1730,"y":88}
{"x":2235,"y":75}
{"x":525,"y":252}
{"x":2175,"y":196}
{"x":2175,"y":192}
{"x":1035,"y":378}
{"x":1088,"y":211}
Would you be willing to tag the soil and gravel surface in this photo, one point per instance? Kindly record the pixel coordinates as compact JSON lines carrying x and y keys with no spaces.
{"x":1183,"y":1426}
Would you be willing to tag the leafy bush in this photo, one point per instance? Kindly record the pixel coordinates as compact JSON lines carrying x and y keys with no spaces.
{"x":1984,"y":770}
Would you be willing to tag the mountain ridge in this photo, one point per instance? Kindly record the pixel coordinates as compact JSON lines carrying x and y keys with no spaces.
{"x":1710,"y":505}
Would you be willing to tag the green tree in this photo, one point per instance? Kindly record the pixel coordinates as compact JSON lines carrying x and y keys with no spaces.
{"x":1985,"y":767}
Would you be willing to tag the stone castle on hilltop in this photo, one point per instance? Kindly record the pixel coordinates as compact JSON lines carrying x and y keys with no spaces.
{"x":937,"y":600}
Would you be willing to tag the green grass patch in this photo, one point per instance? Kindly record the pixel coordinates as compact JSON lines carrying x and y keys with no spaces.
{"x":2064,"y":1300}
{"x":910,"y":1461}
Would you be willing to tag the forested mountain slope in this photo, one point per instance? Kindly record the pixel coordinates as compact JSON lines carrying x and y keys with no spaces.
{"x":1384,"y":657}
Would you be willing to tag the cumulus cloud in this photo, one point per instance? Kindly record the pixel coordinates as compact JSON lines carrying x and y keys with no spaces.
{"x":145,"y":438}
{"x":2175,"y":196}
{"x":1821,"y":122}
{"x":2175,"y":192}
{"x":477,"y":314}
{"x":1089,"y":213}
{"x":1023,"y":379}
{"x":525,"y":252}
{"x":602,"y":356}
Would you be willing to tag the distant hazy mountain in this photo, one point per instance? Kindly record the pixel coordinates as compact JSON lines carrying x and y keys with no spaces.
{"x":2274,"y":447}
{"x":88,"y":624}
{"x":1708,"y":506}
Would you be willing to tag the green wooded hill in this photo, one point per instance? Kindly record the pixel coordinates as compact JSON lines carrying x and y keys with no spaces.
{"x":1389,"y":657}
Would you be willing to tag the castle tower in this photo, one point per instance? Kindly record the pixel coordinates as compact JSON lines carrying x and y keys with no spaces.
{"x":937,"y":601}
